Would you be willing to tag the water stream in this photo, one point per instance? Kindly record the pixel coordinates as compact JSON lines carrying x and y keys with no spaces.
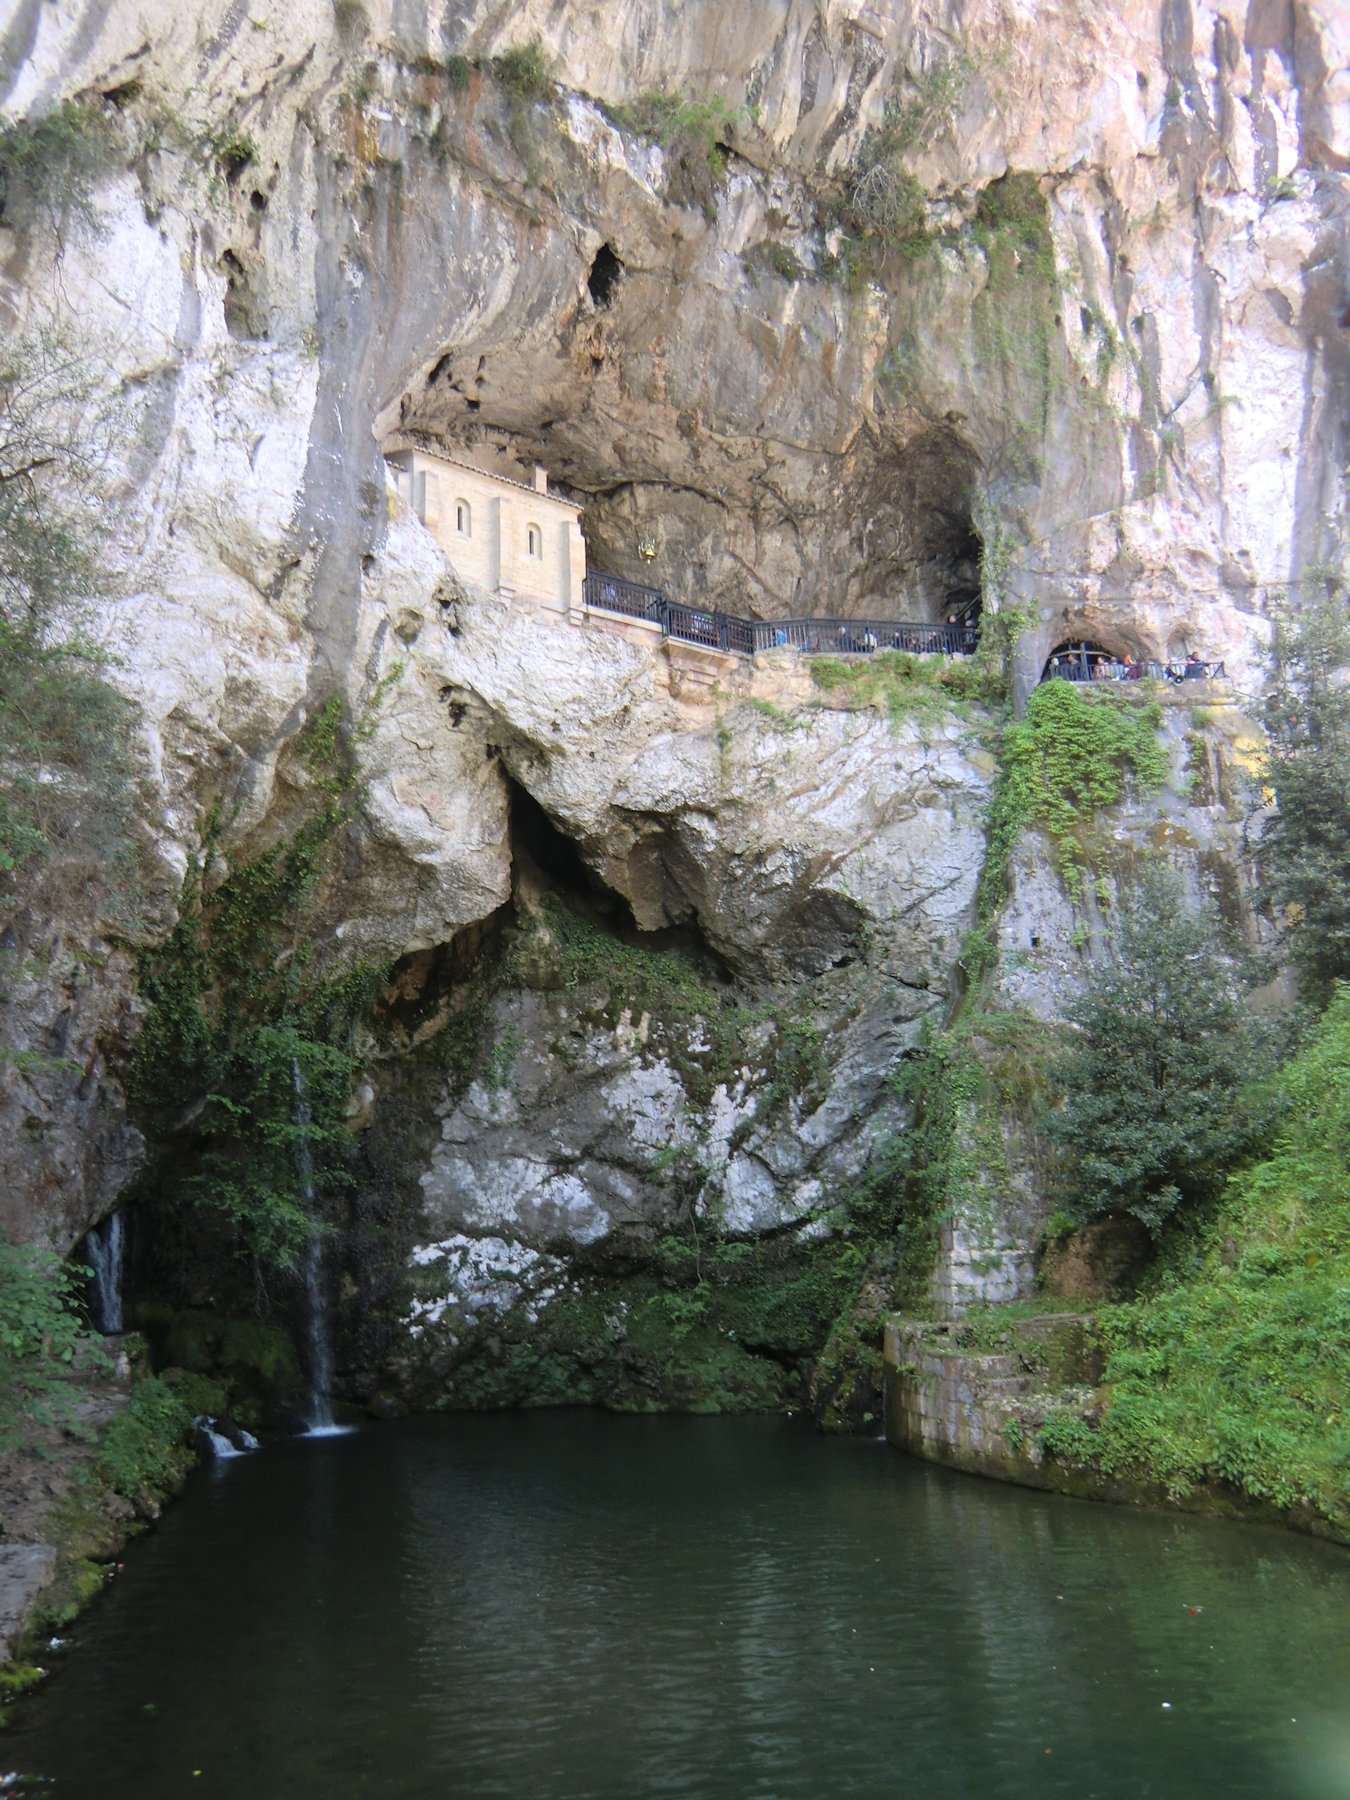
{"x":319,"y":1417}
{"x":105,"y":1251}
{"x":571,"y":1605}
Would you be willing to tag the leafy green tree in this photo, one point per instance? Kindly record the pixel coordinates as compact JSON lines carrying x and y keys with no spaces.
{"x":245,"y":1059}
{"x":1152,"y":1116}
{"x":39,"y":1337}
{"x":1235,"y":1364}
{"x":63,"y":729}
{"x":49,"y":165}
{"x":1305,"y":847}
{"x":275,"y":1132}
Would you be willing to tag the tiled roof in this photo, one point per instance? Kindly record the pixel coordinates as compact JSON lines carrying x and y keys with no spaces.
{"x":458,"y":462}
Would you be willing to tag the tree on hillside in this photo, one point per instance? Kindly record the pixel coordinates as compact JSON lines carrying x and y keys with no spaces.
{"x":1305,"y":847}
{"x":63,"y":729}
{"x":1152,"y":1118}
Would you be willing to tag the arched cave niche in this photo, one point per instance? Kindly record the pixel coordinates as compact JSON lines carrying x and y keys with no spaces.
{"x":1079,"y":659}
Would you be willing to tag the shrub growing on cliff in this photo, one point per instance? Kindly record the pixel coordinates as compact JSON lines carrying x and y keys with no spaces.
{"x":63,"y":729}
{"x":525,"y":70}
{"x":1305,"y":848}
{"x":245,"y":1054}
{"x":691,"y":132}
{"x":1152,"y":1118}
{"x":245,"y":1049}
{"x":49,"y":165}
{"x":39,"y":1336}
{"x":1070,"y":756}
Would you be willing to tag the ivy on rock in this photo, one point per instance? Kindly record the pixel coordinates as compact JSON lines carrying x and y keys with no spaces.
{"x":245,"y":1058}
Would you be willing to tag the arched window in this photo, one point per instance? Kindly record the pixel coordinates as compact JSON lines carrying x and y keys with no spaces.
{"x":463,"y":518}
{"x":534,"y":541}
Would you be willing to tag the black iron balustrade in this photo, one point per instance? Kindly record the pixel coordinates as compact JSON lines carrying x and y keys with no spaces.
{"x":1095,"y":665}
{"x":863,"y":637}
{"x":614,"y":594}
{"x":717,"y":630}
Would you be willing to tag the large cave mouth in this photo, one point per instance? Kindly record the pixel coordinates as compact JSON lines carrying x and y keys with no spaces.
{"x":887,"y":534}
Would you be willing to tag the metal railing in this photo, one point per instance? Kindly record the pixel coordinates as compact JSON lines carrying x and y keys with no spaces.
{"x":717,"y":630}
{"x":614,"y":594}
{"x":860,"y":637}
{"x":1090,"y":665}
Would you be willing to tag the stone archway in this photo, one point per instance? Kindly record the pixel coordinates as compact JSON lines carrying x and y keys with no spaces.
{"x":1116,"y":632}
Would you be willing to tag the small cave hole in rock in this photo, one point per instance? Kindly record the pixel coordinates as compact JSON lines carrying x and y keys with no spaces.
{"x":425,"y":988}
{"x":604,"y":276}
{"x":243,"y":315}
{"x":258,"y":200}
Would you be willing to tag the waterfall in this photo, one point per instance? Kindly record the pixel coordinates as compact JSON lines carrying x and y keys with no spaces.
{"x":104,"y":1247}
{"x":223,"y":1442}
{"x":319,"y":1421}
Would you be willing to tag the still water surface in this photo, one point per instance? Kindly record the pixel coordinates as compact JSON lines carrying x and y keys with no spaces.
{"x":558,"y":1605}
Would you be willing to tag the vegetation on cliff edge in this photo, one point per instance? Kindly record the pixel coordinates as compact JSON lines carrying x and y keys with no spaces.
{"x":1233,"y":1366}
{"x":1153,"y":1115}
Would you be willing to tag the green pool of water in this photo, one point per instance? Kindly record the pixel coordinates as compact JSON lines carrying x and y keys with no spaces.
{"x":565,"y":1604}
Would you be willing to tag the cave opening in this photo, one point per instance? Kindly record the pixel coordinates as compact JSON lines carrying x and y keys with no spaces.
{"x":536,"y":840}
{"x":544,"y":857}
{"x":965,"y":552}
{"x":604,"y":276}
{"x":918,"y":552}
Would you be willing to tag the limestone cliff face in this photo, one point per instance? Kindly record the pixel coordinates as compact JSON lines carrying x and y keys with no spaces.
{"x":326,"y":222}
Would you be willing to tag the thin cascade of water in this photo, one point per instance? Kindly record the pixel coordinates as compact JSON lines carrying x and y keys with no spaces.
{"x":320,"y":1417}
{"x":105,"y":1247}
{"x":224,"y":1445}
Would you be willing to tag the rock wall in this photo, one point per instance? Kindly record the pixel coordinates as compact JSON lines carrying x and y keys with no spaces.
{"x":1203,"y":823}
{"x":320,"y":225}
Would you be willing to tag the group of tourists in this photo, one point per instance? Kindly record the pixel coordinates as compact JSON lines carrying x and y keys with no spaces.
{"x":1097,"y":665}
{"x":956,"y":637}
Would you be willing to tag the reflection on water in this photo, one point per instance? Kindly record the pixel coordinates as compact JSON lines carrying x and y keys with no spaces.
{"x":567,"y":1604}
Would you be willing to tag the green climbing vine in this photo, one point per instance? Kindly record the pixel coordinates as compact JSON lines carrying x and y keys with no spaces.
{"x":245,"y":1058}
{"x":1073,"y":754}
